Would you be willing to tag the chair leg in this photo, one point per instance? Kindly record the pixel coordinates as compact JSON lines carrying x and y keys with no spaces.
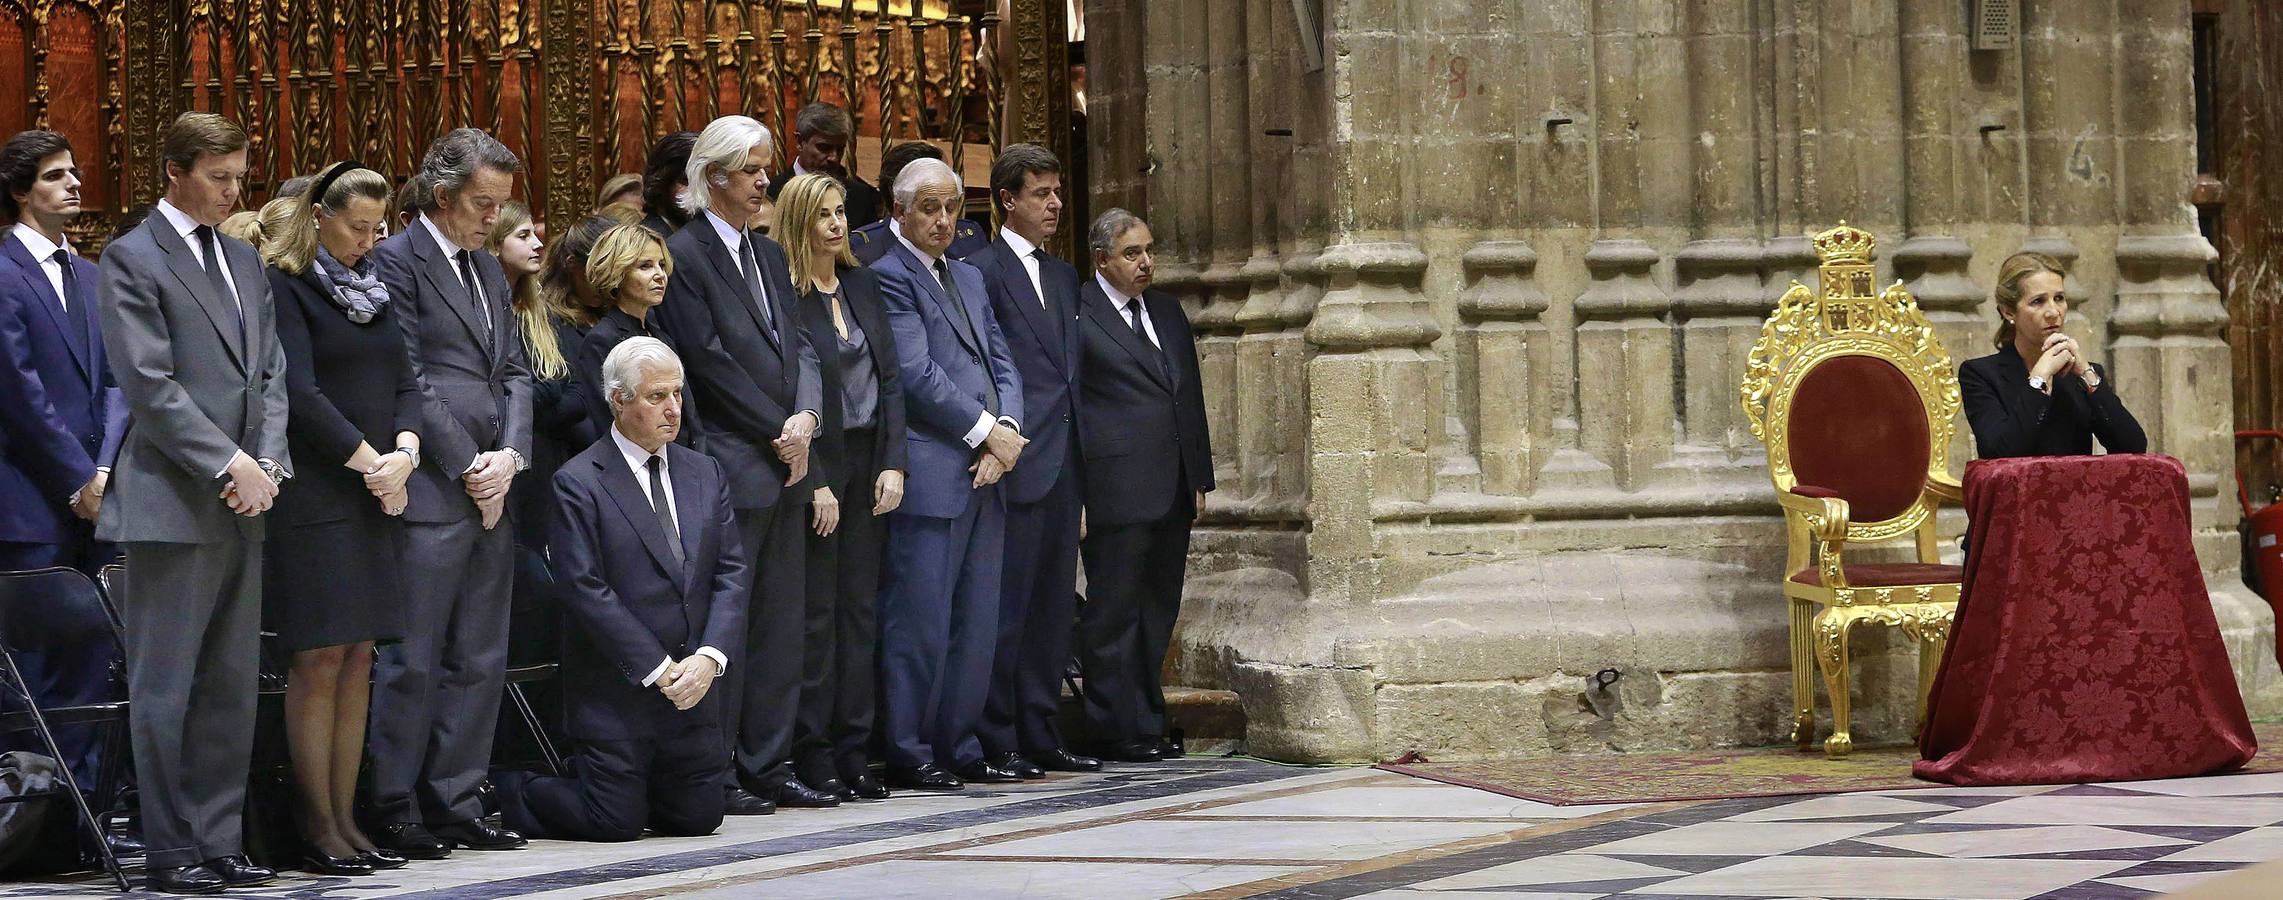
{"x":1929,"y":662}
{"x":63,"y":768}
{"x":538,"y":733}
{"x":1803,"y":673}
{"x":1833,"y":629}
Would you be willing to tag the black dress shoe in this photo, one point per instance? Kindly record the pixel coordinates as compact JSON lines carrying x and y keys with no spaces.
{"x":792,"y":794}
{"x":927,"y":777}
{"x":833,"y":786}
{"x":1060,"y":760}
{"x":1134,"y":751}
{"x":1170,"y":748}
{"x":381,"y":859}
{"x":980,"y":772}
{"x":1015,"y":764}
{"x":741,"y":802}
{"x":476,"y":834}
{"x":318,"y":862}
{"x":124,"y":845}
{"x":409,"y":840}
{"x":196,"y":879}
{"x":238,"y":871}
{"x":868,"y":786}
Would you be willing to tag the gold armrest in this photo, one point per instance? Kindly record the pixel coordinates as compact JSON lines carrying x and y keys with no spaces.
{"x":1940,"y":484}
{"x":1826,"y":516}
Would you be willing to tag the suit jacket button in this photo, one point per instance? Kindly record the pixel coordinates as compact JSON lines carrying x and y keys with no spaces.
{"x":975,"y":359}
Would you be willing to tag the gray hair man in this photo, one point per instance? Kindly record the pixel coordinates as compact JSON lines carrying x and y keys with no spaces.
{"x":730,"y":304}
{"x":436,"y":694}
{"x":646,"y":551}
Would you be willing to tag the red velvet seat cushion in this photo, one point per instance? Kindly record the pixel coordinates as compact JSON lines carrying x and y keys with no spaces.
{"x":1888,"y":574}
{"x":1858,"y":428}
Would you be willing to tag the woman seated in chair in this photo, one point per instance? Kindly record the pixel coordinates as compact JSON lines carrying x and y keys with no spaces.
{"x":2039,"y":395}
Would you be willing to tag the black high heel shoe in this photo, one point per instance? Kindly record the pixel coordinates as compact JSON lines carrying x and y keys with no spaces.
{"x":318,"y":862}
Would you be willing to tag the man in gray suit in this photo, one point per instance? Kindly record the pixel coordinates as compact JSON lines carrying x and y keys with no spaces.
{"x":187,"y":324}
{"x":436,"y":694}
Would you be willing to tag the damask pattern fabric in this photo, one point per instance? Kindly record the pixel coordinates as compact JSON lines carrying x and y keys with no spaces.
{"x":2084,"y":647}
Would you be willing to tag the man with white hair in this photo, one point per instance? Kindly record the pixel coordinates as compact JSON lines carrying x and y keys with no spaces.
{"x":646,"y":551}
{"x":939,"y":600}
{"x":730,"y":308}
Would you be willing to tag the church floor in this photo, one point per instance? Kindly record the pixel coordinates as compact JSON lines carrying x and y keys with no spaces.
{"x":1225,"y":828}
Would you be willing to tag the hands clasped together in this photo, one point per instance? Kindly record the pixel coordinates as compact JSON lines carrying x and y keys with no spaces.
{"x":2063,"y":356}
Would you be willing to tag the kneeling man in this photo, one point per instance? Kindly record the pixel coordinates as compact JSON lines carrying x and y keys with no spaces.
{"x":647,"y":556}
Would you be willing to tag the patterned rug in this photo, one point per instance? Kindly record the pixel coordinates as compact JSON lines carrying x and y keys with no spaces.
{"x":1717,"y":774}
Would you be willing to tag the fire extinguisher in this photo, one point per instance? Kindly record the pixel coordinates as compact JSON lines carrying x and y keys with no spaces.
{"x":2262,"y":533}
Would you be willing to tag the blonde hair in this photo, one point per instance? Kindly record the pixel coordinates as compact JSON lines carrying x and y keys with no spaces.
{"x":292,"y":236}
{"x":797,"y":208}
{"x":615,"y":254}
{"x":2011,"y":273}
{"x":618,"y":184}
{"x":245,"y":225}
{"x":531,"y":314}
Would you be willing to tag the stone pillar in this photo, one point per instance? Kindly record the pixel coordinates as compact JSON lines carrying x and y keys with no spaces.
{"x":1625,"y":362}
{"x":1719,"y":302}
{"x":1506,"y":344}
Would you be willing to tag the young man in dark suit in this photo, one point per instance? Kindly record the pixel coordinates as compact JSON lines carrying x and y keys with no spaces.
{"x":647,"y":552}
{"x":730,"y":309}
{"x":1148,"y":465}
{"x":1035,"y":297}
{"x":963,"y":405}
{"x":436,"y":694}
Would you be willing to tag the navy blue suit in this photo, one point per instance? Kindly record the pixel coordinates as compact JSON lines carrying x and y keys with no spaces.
{"x":60,"y":417}
{"x":631,"y":605}
{"x":1037,"y":595}
{"x":940,"y":598}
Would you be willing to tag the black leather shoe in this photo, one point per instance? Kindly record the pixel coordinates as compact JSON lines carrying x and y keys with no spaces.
{"x":1134,"y":751}
{"x":833,"y":786}
{"x":980,"y":772}
{"x":196,"y":879}
{"x":238,"y":871}
{"x":868,"y":786}
{"x":318,"y":862}
{"x":792,"y":794}
{"x":479,"y":835}
{"x":409,"y":840}
{"x":1170,"y":748}
{"x":1060,"y":760}
{"x":928,"y":777}
{"x":1015,"y":764}
{"x":741,"y":802}
{"x":381,"y":859}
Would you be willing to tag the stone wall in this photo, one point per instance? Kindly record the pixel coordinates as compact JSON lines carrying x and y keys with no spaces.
{"x":1474,"y":291}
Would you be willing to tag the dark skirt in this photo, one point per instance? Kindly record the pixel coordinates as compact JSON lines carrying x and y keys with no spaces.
{"x":338,"y":582}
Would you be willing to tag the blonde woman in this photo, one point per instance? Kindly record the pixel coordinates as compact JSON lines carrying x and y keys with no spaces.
{"x":628,"y":267}
{"x":333,"y":591}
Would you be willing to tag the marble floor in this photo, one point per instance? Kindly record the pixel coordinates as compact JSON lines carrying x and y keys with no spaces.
{"x":1229,"y":828}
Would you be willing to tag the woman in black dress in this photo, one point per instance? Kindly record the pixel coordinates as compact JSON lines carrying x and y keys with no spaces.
{"x":2039,"y":395}
{"x":629,"y":266}
{"x":331,"y":590}
{"x":860,"y":458}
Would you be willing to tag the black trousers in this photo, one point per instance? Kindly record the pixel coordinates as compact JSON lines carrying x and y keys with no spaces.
{"x":671,"y":784}
{"x":1037,"y":613}
{"x":764,"y":688}
{"x":1133,"y":595}
{"x":68,"y":662}
{"x":436,"y":693}
{"x":840,"y":631}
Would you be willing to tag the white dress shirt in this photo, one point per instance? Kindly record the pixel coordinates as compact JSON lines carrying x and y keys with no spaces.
{"x":184,"y":225}
{"x":1028,"y":253}
{"x":974,"y":436}
{"x":453,"y":250}
{"x":44,"y":250}
{"x":1118,"y":302}
{"x":732,"y":237}
{"x":638,"y":460}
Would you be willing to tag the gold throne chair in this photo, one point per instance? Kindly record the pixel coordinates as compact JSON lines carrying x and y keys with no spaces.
{"x":1856,"y":401}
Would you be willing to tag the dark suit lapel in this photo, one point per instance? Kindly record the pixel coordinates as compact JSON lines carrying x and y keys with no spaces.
{"x":445,"y":281}
{"x":1045,"y":327}
{"x":36,"y":279}
{"x":925,"y":275}
{"x":725,"y":266}
{"x":1107,"y":318}
{"x":618,"y":482}
{"x":181,"y":260}
{"x":1167,"y":322}
{"x":687,"y":485}
{"x":1061,"y":288}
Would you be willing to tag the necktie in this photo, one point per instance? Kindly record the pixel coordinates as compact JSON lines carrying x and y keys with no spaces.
{"x":1037,"y":264}
{"x":658,"y":503}
{"x":951,"y":290}
{"x":750,"y":262}
{"x":212,"y":249}
{"x":77,"y":311}
{"x":1134,"y":314}
{"x":475,"y":291}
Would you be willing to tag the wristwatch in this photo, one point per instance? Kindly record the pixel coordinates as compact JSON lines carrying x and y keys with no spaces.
{"x":411,"y":454}
{"x":2036,"y":383}
{"x":273,"y":470}
{"x":2092,"y":378}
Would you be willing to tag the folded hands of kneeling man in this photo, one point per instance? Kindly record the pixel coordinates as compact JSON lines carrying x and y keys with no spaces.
{"x":686,"y":682}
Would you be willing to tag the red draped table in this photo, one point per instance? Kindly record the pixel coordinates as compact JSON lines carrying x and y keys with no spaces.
{"x":2084,"y":647}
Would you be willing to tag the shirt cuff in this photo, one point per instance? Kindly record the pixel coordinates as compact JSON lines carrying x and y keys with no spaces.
{"x":657,"y":673}
{"x":982,"y":429}
{"x":1012,"y":425}
{"x":720,"y":662}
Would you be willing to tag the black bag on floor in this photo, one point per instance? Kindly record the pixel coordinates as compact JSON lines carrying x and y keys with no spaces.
{"x":37,"y":824}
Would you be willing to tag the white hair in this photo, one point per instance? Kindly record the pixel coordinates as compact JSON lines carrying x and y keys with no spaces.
{"x":920,"y":173}
{"x":723,"y":145}
{"x":623,"y":369}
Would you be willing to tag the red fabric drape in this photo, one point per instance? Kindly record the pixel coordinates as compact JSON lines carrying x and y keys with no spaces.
{"x":2084,"y":647}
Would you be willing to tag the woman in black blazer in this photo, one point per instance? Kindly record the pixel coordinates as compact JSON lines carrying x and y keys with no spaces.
{"x":859,"y":461}
{"x":628,"y":267}
{"x":2039,"y":395}
{"x":331,"y":587}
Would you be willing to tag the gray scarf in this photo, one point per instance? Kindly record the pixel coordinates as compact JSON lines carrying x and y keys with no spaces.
{"x":357,"y":293}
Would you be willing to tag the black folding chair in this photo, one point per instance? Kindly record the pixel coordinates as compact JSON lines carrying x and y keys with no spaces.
{"x":517,"y":677}
{"x":65,"y":586}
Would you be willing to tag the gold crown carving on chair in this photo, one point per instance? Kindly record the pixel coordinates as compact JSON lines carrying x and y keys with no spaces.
{"x":1856,"y":401}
